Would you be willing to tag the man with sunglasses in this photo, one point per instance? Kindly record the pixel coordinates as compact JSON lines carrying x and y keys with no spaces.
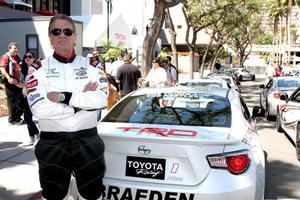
{"x":65,"y":92}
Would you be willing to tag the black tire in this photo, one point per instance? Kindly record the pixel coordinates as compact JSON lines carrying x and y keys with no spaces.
{"x":297,"y":142}
{"x":278,"y":123}
{"x":240,"y":77}
{"x":267,"y":112}
{"x":253,"y":78}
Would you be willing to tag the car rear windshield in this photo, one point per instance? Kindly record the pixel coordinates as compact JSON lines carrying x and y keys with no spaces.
{"x":289,"y":83}
{"x":173,"y":109}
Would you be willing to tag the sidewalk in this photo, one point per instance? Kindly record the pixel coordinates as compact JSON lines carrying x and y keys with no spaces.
{"x":18,"y":166}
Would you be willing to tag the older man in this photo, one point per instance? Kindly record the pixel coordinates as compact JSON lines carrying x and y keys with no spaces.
{"x":64,"y":93}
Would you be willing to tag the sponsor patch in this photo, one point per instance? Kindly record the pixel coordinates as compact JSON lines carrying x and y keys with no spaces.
{"x":102,"y":80}
{"x":32,"y":83}
{"x":33,"y":98}
{"x":37,"y":65}
{"x":30,"y":90}
{"x":81,"y":73}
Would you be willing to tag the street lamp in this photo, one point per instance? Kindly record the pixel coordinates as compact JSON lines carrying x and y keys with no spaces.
{"x":109,"y":10}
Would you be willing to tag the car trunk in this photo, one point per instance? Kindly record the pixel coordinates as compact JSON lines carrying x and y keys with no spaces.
{"x":160,"y":153}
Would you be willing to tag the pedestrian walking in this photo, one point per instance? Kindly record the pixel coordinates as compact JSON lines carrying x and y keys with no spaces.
{"x":34,"y":133}
{"x":10,"y":69}
{"x":128,"y":76}
{"x":65,"y":93}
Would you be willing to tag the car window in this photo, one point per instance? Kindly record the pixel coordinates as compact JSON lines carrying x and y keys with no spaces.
{"x":289,"y":83}
{"x":191,"y":110}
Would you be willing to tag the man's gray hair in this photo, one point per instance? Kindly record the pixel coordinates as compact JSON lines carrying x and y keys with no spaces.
{"x":61,"y":17}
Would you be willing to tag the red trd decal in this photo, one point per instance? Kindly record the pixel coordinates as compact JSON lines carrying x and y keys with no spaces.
{"x":161,"y":131}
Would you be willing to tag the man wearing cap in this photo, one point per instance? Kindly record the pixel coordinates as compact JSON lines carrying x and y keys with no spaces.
{"x":128,"y":76}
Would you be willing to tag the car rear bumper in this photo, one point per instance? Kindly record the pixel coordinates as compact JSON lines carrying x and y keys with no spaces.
{"x":219,"y":185}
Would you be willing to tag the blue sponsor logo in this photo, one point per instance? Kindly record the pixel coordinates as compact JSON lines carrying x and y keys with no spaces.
{"x":33,"y":97}
{"x":102,"y":80}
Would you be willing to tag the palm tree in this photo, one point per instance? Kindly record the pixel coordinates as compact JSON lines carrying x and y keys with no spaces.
{"x":276,"y":12}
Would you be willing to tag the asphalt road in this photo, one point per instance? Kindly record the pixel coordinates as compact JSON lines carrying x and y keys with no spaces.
{"x":282,"y":166}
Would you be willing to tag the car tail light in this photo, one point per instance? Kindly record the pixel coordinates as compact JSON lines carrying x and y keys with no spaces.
{"x":276,"y":94}
{"x":235,"y":163}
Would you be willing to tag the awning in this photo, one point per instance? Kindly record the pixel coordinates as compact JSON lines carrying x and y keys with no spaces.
{"x":44,"y":12}
{"x":2,"y":3}
{"x":18,"y":2}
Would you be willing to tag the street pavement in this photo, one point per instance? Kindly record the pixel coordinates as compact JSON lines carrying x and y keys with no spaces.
{"x":18,"y":166}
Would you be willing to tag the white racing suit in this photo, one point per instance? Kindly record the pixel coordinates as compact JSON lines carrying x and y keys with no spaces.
{"x":68,"y":129}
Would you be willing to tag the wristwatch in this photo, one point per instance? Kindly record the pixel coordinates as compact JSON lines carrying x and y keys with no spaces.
{"x":61,"y":97}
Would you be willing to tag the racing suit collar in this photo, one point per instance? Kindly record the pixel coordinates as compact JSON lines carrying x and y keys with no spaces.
{"x":63,"y":59}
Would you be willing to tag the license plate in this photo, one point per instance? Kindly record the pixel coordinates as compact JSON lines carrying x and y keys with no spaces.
{"x":153,"y":168}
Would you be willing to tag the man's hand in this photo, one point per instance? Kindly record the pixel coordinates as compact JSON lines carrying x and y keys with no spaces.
{"x":91,"y":86}
{"x":53,"y":96}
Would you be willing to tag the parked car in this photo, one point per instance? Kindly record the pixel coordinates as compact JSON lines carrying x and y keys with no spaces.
{"x":270,"y":93}
{"x":228,"y":77}
{"x":178,"y":143}
{"x":288,"y":118}
{"x":203,"y":82}
{"x":244,"y":74}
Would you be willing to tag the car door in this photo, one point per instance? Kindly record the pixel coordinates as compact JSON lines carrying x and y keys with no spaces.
{"x":290,"y":114}
{"x":265,"y":93}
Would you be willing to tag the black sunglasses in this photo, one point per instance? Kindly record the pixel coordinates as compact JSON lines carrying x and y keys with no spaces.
{"x":67,"y":31}
{"x":29,"y":56}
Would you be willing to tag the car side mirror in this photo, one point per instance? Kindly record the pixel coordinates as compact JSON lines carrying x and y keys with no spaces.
{"x":258,"y":111}
{"x":284,"y":97}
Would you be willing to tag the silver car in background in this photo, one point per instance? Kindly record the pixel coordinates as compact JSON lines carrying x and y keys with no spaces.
{"x":270,"y":93}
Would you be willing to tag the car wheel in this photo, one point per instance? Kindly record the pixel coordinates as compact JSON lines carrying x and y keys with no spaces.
{"x":297,"y":143}
{"x":240,"y":77}
{"x":278,"y":123}
{"x":253,"y":78}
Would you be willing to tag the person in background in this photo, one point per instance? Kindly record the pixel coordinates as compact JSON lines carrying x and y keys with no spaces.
{"x":34,"y":133}
{"x":157,"y":76}
{"x":128,"y":76}
{"x":169,"y":59}
{"x":65,"y":93}
{"x":171,"y":73}
{"x":10,"y":68}
{"x":217,"y":66}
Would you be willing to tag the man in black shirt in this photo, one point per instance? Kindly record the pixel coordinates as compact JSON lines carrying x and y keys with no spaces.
{"x":128,"y":76}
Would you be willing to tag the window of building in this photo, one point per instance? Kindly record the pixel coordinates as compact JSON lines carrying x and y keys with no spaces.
{"x":179,"y":26}
{"x":96,"y":7}
{"x":32,"y":44}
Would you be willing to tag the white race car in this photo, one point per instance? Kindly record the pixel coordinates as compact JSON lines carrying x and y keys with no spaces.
{"x":288,"y":118}
{"x":182,"y":144}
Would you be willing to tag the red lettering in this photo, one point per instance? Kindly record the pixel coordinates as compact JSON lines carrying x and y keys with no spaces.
{"x":158,"y":131}
{"x":177,"y":132}
{"x":125,"y":129}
